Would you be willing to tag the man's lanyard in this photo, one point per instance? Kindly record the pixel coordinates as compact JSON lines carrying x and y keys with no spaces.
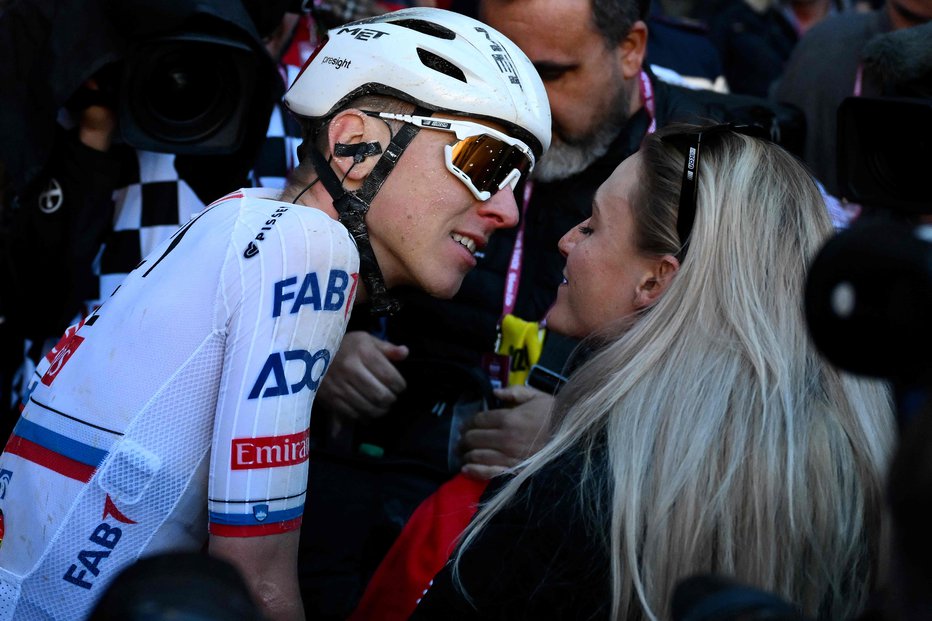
{"x":498,"y":366}
{"x":647,"y":100}
{"x":859,"y":80}
{"x":513,"y":277}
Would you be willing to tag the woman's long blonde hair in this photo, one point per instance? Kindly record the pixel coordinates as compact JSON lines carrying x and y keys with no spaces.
{"x":733,"y":447}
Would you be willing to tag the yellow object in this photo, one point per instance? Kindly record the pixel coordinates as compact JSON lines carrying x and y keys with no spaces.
{"x":522,"y":342}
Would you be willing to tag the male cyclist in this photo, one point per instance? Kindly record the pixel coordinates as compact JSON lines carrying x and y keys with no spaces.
{"x":182,"y":406}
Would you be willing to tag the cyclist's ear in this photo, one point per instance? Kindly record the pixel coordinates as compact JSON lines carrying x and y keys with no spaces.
{"x":354,"y":141}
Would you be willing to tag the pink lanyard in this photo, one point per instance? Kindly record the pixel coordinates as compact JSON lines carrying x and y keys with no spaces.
{"x":647,"y":100}
{"x":513,"y":277}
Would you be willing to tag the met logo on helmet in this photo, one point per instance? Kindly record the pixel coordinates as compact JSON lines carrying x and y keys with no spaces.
{"x":363,"y":34}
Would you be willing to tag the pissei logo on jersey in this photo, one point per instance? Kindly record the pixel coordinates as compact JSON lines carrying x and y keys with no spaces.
{"x":252,"y":249}
{"x":273,"y":379}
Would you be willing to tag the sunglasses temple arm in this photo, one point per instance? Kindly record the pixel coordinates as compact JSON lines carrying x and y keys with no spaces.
{"x":448,"y":162}
{"x":511,"y":180}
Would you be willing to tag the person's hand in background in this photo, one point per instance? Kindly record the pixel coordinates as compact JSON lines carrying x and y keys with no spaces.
{"x":362,"y":381}
{"x":496,"y":440}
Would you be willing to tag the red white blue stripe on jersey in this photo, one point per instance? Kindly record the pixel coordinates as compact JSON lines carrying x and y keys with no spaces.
{"x":246,"y":525}
{"x":54,"y":451}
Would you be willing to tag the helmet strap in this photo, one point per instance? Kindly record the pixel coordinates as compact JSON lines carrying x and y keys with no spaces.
{"x":351,"y":207}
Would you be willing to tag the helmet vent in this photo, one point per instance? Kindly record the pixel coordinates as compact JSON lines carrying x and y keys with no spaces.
{"x":425,"y":27}
{"x":442,"y":65}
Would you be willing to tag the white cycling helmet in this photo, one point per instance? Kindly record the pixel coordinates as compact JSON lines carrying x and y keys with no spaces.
{"x":437,"y":59}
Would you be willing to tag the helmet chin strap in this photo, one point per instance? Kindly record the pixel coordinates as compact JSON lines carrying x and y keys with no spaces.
{"x":352,"y":207}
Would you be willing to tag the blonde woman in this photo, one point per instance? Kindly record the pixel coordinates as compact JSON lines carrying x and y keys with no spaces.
{"x":706,"y":434}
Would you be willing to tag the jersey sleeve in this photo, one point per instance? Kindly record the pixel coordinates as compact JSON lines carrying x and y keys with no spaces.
{"x":289,"y":282}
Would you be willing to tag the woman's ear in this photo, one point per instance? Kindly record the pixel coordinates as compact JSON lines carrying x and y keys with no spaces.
{"x":656,"y":281}
{"x":355,"y":140}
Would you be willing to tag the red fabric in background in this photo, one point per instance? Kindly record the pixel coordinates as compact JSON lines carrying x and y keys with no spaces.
{"x":420,"y":551}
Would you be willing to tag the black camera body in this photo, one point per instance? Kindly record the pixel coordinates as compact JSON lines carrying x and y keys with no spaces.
{"x":188,"y":77}
{"x":195,"y":75}
{"x":187,"y":92}
{"x":869,"y":290}
{"x":869,"y":300}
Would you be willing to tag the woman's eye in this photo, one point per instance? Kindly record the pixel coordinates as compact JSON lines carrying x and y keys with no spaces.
{"x":585,"y":230}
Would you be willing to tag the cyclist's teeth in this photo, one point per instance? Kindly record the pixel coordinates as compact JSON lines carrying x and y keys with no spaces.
{"x":466,"y":242}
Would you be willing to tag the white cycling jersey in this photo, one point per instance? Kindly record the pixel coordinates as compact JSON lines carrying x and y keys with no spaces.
{"x":183,"y":402}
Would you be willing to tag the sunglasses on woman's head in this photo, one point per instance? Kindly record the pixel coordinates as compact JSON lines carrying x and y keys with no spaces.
{"x":690,"y":143}
{"x":485,"y":159}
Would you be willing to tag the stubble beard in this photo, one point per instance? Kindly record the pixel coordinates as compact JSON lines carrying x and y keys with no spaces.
{"x":570,"y":155}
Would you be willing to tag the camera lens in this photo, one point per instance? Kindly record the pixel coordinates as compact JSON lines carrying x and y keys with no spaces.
{"x":189,"y":92}
{"x":183,"y":90}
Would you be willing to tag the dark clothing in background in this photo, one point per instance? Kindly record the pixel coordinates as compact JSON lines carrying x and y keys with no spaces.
{"x":669,"y":37}
{"x":820,"y":74}
{"x":754,"y":47}
{"x":59,"y":225}
{"x":64,"y":222}
{"x":51,"y":235}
